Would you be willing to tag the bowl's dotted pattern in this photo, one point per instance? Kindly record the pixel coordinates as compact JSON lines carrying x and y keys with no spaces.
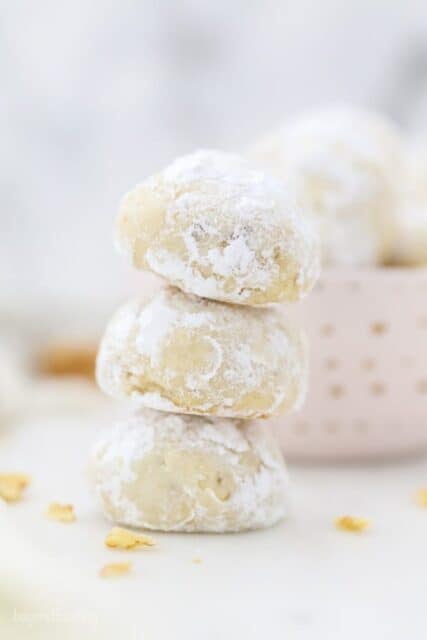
{"x":368,"y":388}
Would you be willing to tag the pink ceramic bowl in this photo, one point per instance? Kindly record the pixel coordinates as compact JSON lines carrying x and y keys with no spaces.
{"x":368,"y":384}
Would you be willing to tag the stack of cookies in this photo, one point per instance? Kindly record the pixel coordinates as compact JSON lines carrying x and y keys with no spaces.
{"x":205,"y":358}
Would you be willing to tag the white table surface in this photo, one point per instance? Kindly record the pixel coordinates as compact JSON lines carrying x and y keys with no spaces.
{"x":299,"y":580}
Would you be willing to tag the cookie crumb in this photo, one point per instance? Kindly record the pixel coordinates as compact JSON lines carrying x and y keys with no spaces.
{"x":61,"y":512}
{"x":120,"y":538}
{"x":12,"y":486}
{"x":351,"y":524}
{"x":421,"y":497}
{"x":115,"y":569}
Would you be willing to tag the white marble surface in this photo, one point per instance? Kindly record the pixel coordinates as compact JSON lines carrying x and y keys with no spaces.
{"x":300,"y":580}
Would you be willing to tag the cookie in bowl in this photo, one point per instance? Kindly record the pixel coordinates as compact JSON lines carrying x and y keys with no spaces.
{"x":345,"y":164}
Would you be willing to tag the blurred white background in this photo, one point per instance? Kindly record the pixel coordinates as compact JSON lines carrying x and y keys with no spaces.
{"x":96,"y":95}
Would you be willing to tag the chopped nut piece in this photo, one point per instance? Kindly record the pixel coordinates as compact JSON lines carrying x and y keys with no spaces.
{"x":351,"y":524}
{"x":61,"y":512}
{"x":115,"y":569}
{"x":119,"y":538}
{"x":421,"y":497}
{"x":12,"y":485}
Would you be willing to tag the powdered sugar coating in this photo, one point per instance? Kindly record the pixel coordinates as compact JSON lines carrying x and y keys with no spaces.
{"x":191,"y":355}
{"x":188,"y":473}
{"x":213,"y":226}
{"x":344,"y":164}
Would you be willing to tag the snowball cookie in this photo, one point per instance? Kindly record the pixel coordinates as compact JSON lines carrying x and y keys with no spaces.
{"x":344,"y":164}
{"x":191,"y":355}
{"x":188,"y":473}
{"x":213,"y":226}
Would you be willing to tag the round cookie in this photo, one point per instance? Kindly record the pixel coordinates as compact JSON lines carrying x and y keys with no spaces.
{"x":191,"y":355}
{"x":344,"y":164}
{"x":214,"y":227}
{"x":188,"y":473}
